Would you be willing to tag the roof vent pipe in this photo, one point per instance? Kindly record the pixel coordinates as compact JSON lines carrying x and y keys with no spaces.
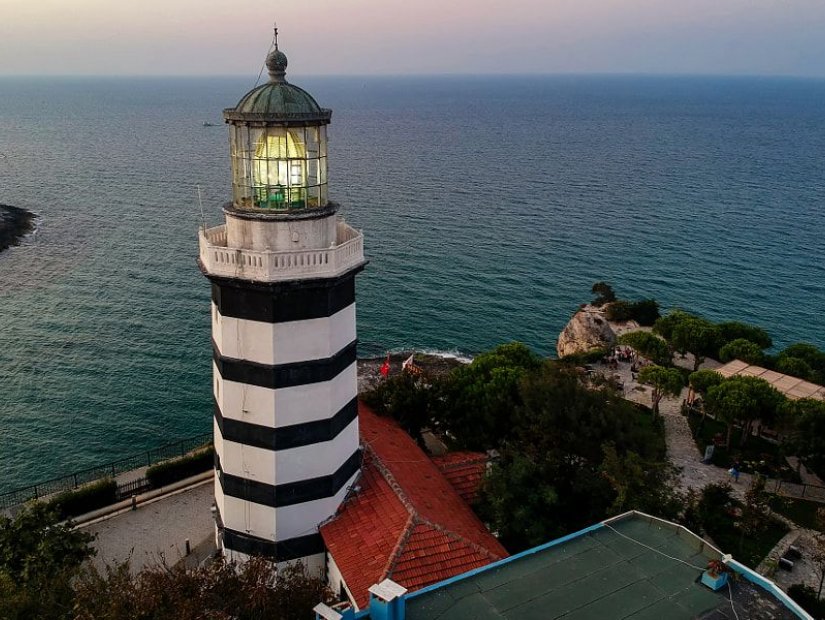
{"x":387,"y":601}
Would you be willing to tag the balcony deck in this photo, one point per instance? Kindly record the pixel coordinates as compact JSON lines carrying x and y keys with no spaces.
{"x":218,"y":260}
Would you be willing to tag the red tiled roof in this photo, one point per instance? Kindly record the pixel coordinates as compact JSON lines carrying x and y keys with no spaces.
{"x":464,"y":471}
{"x":406,"y":522}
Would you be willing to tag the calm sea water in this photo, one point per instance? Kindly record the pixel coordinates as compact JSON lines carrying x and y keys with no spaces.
{"x":490,"y":205}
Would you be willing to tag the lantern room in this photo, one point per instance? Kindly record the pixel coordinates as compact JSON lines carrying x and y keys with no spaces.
{"x":278,"y":146}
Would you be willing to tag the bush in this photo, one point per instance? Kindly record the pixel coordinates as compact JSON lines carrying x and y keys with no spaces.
{"x":586,"y":357}
{"x":794,"y":367}
{"x":181,"y":468}
{"x":734,"y":330}
{"x":806,"y":597}
{"x":85,"y":499}
{"x":742,"y":349}
{"x":603,"y":292}
{"x":644,"y":312}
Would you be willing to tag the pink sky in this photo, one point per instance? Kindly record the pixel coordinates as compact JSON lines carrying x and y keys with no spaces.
{"x":225,"y":37}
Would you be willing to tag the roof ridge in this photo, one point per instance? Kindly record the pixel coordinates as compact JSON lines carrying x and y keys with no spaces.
{"x":390,"y":479}
{"x":460,"y":538}
{"x":409,"y":526}
{"x":470,"y":460}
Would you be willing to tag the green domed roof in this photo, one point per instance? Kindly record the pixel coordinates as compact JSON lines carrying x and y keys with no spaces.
{"x":277,"y":100}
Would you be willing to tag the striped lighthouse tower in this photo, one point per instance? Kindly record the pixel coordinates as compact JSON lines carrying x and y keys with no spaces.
{"x":282,"y":270}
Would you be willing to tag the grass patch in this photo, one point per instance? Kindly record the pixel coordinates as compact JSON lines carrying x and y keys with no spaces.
{"x":800,"y":511}
{"x":758,"y":456}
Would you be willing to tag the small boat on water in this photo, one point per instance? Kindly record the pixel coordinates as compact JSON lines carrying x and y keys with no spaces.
{"x":208,"y":124}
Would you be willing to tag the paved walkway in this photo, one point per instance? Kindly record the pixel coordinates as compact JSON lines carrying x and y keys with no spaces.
{"x":683,"y":453}
{"x":157,"y":530}
{"x":681,"y":448}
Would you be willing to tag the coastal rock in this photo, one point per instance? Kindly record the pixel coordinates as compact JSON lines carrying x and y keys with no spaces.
{"x":586,"y":331}
{"x":14,"y":224}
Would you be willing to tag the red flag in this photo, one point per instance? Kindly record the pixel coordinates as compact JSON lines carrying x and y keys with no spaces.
{"x":385,"y":367}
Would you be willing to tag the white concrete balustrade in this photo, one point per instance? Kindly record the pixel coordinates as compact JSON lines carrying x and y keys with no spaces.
{"x":219,"y":260}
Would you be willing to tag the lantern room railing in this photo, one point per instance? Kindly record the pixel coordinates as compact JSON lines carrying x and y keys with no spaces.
{"x":218,"y":260}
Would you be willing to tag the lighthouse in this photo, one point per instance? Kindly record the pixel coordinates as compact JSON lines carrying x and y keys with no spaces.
{"x":282,"y":269}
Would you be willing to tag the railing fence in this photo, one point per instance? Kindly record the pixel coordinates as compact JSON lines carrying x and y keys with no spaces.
{"x":76,"y":479}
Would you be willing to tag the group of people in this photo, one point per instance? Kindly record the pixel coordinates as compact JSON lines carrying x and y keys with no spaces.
{"x":619,"y":354}
{"x":627,"y":355}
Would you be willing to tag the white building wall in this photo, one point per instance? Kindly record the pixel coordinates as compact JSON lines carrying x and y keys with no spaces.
{"x":314,"y":565}
{"x":280,"y":236}
{"x":285,"y":406}
{"x":336,"y":581}
{"x":280,"y":523}
{"x":283,"y":343}
{"x":284,"y":466}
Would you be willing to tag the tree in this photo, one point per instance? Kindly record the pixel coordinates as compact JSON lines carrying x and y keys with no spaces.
{"x":794,"y":367}
{"x":475,"y":403}
{"x":808,"y":353}
{"x":664,"y":381}
{"x":39,"y":557}
{"x":647,"y":345}
{"x":806,"y":439}
{"x":734,"y":330}
{"x":640,"y":485}
{"x":756,"y":512}
{"x":697,"y":336}
{"x":702,"y":380}
{"x":604,"y":293}
{"x":741,"y":349}
{"x":407,"y":399}
{"x":551,"y":478}
{"x":665,"y":325}
{"x":219,"y":590}
{"x":743,"y":399}
{"x":644,"y":311}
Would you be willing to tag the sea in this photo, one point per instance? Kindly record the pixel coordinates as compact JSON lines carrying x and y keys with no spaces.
{"x":489,"y":204}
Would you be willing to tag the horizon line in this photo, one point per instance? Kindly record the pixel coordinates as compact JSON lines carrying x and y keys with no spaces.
{"x":424,"y":75}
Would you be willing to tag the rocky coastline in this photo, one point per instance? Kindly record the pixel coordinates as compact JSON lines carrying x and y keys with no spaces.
{"x":15,"y":223}
{"x":590,"y":330}
{"x":369,"y":369}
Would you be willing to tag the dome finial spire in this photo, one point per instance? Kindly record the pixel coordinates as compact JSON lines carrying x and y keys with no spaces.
{"x":276,"y":60}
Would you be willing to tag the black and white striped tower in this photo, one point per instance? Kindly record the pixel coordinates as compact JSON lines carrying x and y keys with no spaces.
{"x":282,"y":270}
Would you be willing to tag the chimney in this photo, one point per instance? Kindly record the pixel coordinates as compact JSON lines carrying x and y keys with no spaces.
{"x":387,"y":601}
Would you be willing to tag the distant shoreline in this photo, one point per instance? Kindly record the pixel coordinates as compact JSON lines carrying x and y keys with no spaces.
{"x":15,"y":223}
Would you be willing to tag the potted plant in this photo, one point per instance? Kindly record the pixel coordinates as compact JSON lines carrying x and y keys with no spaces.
{"x":716,"y":575}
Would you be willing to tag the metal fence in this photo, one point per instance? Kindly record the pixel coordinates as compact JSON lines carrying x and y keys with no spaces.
{"x":109,"y":470}
{"x":797,"y":490}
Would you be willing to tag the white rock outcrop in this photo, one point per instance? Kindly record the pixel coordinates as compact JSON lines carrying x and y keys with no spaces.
{"x":589,"y":329}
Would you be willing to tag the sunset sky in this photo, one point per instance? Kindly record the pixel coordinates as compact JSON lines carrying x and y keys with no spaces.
{"x":227,"y":37}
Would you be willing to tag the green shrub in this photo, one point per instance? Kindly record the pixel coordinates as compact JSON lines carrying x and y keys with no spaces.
{"x":85,"y":499}
{"x":619,"y":311}
{"x":742,"y":349}
{"x":604,"y":293}
{"x":174,"y":470}
{"x":644,"y":311}
{"x":806,"y":597}
{"x":587,"y":357}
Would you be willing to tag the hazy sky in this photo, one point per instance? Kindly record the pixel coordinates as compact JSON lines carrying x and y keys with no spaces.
{"x":220,"y":37}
